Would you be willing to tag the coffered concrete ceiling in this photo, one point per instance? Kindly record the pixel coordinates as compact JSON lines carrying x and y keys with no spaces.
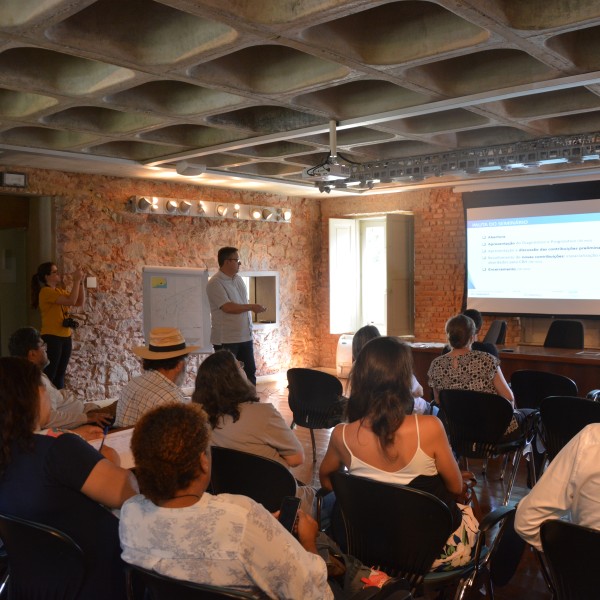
{"x":247,"y":88}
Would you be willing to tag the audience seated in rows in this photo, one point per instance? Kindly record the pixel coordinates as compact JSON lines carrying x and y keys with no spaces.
{"x":178,"y":529}
{"x":464,"y":368}
{"x":164,"y":361}
{"x":66,"y":411}
{"x":385,"y":441}
{"x":60,"y":481}
{"x":570,"y":486}
{"x":370,"y":332}
{"x":239,"y":421}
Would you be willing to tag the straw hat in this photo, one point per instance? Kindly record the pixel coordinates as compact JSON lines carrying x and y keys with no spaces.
{"x":165,"y":342}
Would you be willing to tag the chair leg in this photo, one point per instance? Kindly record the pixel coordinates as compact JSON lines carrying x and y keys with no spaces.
{"x":513,"y":475}
{"x":314,"y":446}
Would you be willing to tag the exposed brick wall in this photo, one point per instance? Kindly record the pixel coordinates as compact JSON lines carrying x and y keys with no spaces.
{"x":440,"y":254}
{"x":95,"y":230}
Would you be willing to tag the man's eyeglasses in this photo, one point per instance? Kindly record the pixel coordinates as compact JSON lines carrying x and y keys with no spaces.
{"x":239,"y":262}
{"x":42,"y":344}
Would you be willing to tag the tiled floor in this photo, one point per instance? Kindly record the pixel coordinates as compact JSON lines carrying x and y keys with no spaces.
{"x":527,"y":582}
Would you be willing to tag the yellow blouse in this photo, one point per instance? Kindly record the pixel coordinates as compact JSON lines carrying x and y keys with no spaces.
{"x":52,"y":313}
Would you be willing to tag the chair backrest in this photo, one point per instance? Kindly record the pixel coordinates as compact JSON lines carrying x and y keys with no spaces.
{"x":43,"y":562}
{"x":563,"y":417}
{"x":161,"y":587}
{"x":531,"y":387}
{"x":476,"y":421}
{"x":565,"y":333}
{"x":571,"y":553}
{"x":314,"y":398}
{"x":262,"y":479}
{"x":395,"y":528}
{"x":496,"y":334}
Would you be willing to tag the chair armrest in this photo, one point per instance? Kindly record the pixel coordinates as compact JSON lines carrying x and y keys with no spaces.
{"x":495,"y":517}
{"x":490,"y":520}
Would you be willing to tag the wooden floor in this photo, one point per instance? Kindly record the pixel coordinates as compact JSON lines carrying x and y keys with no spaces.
{"x":527,"y":582}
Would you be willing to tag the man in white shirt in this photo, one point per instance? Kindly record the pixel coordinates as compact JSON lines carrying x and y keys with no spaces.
{"x":66,"y":411}
{"x":570,"y":486}
{"x":164,"y":361}
{"x":231,"y":319}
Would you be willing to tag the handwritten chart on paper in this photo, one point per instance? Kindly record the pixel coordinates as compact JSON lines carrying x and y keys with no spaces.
{"x":176,"y":297}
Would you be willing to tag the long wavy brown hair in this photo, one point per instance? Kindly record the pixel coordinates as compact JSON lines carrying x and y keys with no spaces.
{"x":381,"y":387}
{"x":20,"y":382}
{"x":167,"y":443}
{"x":221,"y":387}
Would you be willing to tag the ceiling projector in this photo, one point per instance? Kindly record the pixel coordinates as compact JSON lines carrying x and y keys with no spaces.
{"x":327,"y":172}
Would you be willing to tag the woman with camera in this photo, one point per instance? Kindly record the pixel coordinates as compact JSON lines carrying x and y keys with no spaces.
{"x":53,"y":302}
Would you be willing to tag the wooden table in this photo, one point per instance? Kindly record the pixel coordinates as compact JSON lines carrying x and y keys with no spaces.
{"x":583,"y":366}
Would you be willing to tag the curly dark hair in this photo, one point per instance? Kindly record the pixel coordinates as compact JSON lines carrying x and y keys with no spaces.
{"x":38,"y":281}
{"x":167,"y":443}
{"x":221,"y":387}
{"x":381,"y":387}
{"x":20,"y":381}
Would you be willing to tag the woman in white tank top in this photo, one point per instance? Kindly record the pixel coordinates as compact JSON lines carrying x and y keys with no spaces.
{"x":386,"y":442}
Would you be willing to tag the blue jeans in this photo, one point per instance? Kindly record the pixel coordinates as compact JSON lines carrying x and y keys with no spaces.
{"x":243,"y":351}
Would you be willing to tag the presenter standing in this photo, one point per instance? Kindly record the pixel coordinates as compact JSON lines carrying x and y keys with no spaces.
{"x":53,"y":302}
{"x":231,"y":321}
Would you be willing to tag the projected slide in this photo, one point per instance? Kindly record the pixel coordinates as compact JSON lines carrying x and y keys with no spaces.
{"x":521,"y":254}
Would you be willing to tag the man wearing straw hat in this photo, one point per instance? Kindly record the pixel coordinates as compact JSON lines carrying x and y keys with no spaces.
{"x":164,"y":368}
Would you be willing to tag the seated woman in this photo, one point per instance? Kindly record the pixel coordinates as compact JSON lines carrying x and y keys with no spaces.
{"x":370,"y":332}
{"x":60,"y":481}
{"x":178,"y":529}
{"x":465,"y":369}
{"x":239,"y":421}
{"x":385,"y":441}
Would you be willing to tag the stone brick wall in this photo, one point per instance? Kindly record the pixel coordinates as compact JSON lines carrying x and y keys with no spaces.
{"x":94,"y":229}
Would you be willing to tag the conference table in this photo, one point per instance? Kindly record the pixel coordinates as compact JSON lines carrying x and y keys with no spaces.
{"x":582,"y":366}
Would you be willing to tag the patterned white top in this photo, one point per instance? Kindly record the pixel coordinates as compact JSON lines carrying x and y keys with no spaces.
{"x":474,"y":370}
{"x":143,"y":393}
{"x":223,"y":540}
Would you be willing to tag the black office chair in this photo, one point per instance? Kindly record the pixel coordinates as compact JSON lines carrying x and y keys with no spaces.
{"x":496,"y":334}
{"x":531,"y":387}
{"x":476,"y":422}
{"x":401,"y":531}
{"x":563,"y":417}
{"x":315,"y":399}
{"x":262,"y":479}
{"x":565,"y":333}
{"x":571,"y":555}
{"x":43,"y":562}
{"x":161,"y":587}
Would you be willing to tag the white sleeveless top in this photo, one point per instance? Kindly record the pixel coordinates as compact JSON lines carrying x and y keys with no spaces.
{"x":420,"y":464}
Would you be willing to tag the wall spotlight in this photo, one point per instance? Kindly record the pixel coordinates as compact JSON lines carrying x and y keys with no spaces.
{"x":267,"y":214}
{"x":287,"y":214}
{"x":144,"y":204}
{"x":222,"y":210}
{"x":185,"y":206}
{"x":171,"y":206}
{"x":256,"y":214}
{"x":201,"y":208}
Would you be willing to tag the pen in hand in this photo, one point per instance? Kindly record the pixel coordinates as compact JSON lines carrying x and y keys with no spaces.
{"x":106,"y":428}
